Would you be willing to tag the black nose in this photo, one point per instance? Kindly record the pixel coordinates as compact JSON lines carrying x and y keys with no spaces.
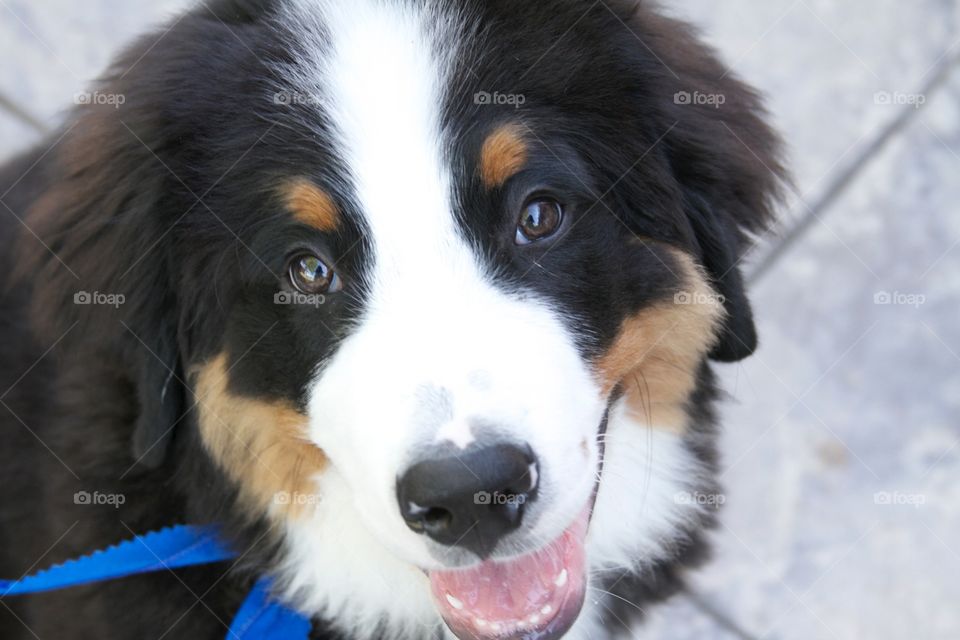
{"x":470,"y":499}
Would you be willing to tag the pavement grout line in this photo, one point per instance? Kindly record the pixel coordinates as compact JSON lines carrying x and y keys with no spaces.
{"x":12,"y":108}
{"x":850,"y":174}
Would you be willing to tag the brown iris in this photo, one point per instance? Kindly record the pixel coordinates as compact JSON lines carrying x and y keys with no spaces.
{"x":311,"y":275}
{"x":540,"y":219}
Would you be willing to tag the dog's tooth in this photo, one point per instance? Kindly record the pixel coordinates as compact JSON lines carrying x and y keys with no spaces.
{"x":546,"y":610}
{"x":561,"y":579}
{"x":534,"y":619}
{"x":480,"y":622}
{"x":456,"y":604}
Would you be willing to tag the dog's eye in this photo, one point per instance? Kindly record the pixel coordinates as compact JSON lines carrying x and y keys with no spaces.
{"x":540,"y":219}
{"x":311,"y":275}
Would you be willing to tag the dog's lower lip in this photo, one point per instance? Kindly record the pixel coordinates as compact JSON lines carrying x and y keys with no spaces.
{"x":536,"y":596}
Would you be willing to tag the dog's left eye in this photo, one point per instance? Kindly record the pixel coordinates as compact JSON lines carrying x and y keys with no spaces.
{"x":311,"y":275}
{"x":540,"y":219}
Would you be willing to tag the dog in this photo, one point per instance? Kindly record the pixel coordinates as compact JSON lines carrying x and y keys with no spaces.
{"x":415,"y":299}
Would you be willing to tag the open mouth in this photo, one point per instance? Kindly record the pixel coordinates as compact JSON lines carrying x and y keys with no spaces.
{"x":536,"y":596}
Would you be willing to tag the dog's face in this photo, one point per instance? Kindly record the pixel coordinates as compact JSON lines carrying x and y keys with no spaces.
{"x":447,"y":302}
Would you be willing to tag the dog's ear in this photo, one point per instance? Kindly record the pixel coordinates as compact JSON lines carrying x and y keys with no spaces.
{"x":726,"y":161}
{"x":161,"y":400}
{"x":105,"y":218}
{"x":719,"y":241}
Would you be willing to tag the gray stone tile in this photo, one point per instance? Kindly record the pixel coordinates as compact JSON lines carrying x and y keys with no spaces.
{"x":55,"y":48}
{"x":843,"y":448}
{"x":14,"y":136}
{"x":828,"y":68}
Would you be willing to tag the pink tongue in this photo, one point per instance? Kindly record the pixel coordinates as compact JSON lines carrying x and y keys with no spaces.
{"x":536,"y":595}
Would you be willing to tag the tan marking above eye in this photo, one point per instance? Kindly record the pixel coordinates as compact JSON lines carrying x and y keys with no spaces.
{"x":659,"y":350}
{"x":261,"y":445}
{"x":504,"y":153}
{"x":311,"y":205}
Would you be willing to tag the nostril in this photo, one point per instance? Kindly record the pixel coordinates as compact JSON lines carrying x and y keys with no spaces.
{"x":436,"y":520}
{"x":431,"y":520}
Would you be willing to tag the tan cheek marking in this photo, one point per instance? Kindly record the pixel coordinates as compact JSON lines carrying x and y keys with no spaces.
{"x":504,"y":153}
{"x":261,"y":445}
{"x":659,"y":350}
{"x":312,"y":205}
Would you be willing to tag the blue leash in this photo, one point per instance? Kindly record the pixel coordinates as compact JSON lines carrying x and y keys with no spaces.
{"x":259,"y":617}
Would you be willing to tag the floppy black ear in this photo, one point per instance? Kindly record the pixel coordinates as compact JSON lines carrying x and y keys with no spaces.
{"x":103,"y":212}
{"x":719,"y":242}
{"x":161,"y":396}
{"x":725,"y":159}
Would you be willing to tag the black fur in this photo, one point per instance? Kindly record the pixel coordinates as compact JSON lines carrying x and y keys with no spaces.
{"x":163,"y":202}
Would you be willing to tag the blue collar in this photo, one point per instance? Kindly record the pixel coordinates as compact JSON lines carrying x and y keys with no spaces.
{"x":259,"y":618}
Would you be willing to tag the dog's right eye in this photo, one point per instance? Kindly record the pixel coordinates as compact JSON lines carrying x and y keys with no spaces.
{"x":540,"y":219}
{"x":311,"y":275}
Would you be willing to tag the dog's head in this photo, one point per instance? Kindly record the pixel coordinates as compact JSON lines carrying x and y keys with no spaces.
{"x":428,"y":279}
